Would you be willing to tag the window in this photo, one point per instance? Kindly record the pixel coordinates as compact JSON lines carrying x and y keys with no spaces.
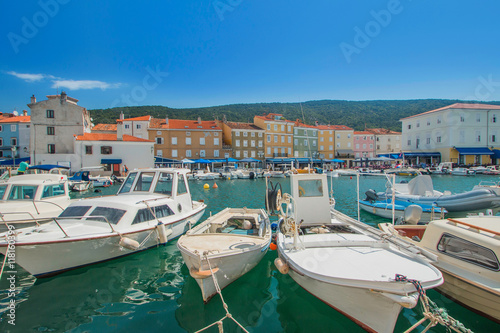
{"x":282,"y":128}
{"x":51,"y":130}
{"x":20,"y":192}
{"x":182,"y":187}
{"x":461,"y":137}
{"x":268,"y":127}
{"x":245,"y":134}
{"x":428,"y":122}
{"x":348,"y":145}
{"x":289,"y":139}
{"x":260,"y":134}
{"x":188,"y":153}
{"x":174,"y":140}
{"x":237,"y":143}
{"x":127,"y":126}
{"x":438,"y":139}
{"x":245,"y":143}
{"x":305,"y":142}
{"x":188,"y":133}
{"x":338,"y":144}
{"x":202,"y":153}
{"x":159,"y":152}
{"x":106,"y":150}
{"x":50,"y":113}
{"x":478,"y":136}
{"x":275,"y":127}
{"x":311,"y":188}
{"x":289,"y":128}
{"x":282,"y":139}
{"x":260,"y":144}
{"x":1,"y":128}
{"x":51,"y":148}
{"x":338,"y":136}
{"x":478,"y":117}
{"x":418,"y":124}
{"x":216,"y":134}
{"x":1,"y":142}
{"x":275,"y":138}
{"x":321,"y":147}
{"x":268,"y":138}
{"x":252,"y":153}
{"x":145,"y":215}
{"x":202,"y":141}
{"x":52,"y":190}
{"x":467,"y":251}
{"x":348,"y":136}
{"x":322,"y":139}
{"x":188,"y":141}
{"x":238,"y":153}
{"x":245,"y":154}
{"x":409,"y":126}
{"x":159,"y":141}
{"x":13,"y":141}
{"x":462,"y":119}
{"x":88,"y":150}
{"x":428,"y":141}
{"x":13,"y":128}
{"x":493,"y":138}
{"x":409,"y":143}
{"x":252,"y":143}
{"x":216,"y":141}
{"x":314,"y":143}
{"x":253,"y":134}
{"x":174,"y":152}
{"x":138,"y":126}
{"x":296,"y":131}
{"x":494,"y":119}
{"x":268,"y":150}
{"x":236,"y":133}
{"x":216,"y":153}
{"x":417,"y":143}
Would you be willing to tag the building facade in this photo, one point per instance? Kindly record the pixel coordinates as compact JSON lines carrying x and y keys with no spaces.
{"x":137,"y":126}
{"x":54,"y":122}
{"x":326,"y":141}
{"x":191,"y":139}
{"x":387,"y":142}
{"x":461,"y":133}
{"x":364,"y":144}
{"x":278,"y":141}
{"x":245,"y":139}
{"x":305,"y":141}
{"x":14,"y":135}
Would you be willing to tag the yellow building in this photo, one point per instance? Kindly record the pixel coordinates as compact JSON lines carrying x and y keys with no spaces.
{"x":278,"y":141}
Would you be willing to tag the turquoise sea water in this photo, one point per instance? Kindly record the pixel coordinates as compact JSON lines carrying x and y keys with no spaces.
{"x":152,"y":291}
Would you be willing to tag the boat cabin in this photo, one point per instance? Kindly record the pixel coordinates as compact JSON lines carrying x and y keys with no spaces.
{"x":311,"y":203}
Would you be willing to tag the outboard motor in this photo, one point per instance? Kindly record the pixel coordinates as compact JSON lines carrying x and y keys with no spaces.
{"x":252,"y":175}
{"x":371,"y":195}
{"x":412,"y":214}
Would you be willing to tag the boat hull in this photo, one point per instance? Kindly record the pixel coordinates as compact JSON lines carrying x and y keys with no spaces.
{"x":398,"y":213}
{"x":38,"y":258}
{"x":229,"y":268}
{"x":370,"y":310}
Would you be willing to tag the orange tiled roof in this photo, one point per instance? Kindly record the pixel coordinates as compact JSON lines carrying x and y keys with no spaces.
{"x":186,"y":124}
{"x":18,"y":119}
{"x":143,"y":118}
{"x":363,"y":133}
{"x":108,"y":137}
{"x":381,"y":131}
{"x":270,"y":117}
{"x":236,"y":125}
{"x":460,"y":106}
{"x":334,"y":127}
{"x":105,"y":127}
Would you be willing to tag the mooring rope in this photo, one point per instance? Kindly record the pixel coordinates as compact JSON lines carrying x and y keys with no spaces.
{"x":431,"y":311}
{"x":226,"y":308}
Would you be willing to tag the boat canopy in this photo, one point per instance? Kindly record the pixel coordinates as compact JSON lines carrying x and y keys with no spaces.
{"x":421,"y":185}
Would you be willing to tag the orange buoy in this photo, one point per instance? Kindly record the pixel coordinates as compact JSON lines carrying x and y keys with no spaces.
{"x":351,"y":177}
{"x":273,"y":247}
{"x":215,"y":185}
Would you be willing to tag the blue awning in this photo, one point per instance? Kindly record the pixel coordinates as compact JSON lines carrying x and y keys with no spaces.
{"x":16,"y":161}
{"x":474,"y":151}
{"x":163,"y":160}
{"x":496,"y":152}
{"x":111,"y":161}
{"x":279,"y":160}
{"x":422,"y":154}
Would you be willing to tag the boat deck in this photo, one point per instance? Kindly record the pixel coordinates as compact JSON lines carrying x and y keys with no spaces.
{"x":220,"y":242}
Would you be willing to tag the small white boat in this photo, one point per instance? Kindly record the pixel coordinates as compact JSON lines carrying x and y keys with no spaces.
{"x":228,"y":244}
{"x":80,"y":181}
{"x":462,"y":172}
{"x":345,"y":263}
{"x":26,"y":199}
{"x":468,"y":250}
{"x":152,"y":207}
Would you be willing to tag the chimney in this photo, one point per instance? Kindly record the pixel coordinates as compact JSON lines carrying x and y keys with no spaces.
{"x":224,"y":120}
{"x":199,"y":120}
{"x":316,"y":122}
{"x":122,"y":116}
{"x":25,"y":113}
{"x":33,"y":99}
{"x":166,"y":120}
{"x":63,"y":97}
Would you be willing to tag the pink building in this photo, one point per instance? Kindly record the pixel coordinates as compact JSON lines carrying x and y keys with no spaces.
{"x":364,"y":144}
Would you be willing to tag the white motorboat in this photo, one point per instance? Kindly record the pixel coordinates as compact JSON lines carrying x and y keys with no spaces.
{"x":30,"y":198}
{"x":462,"y":172}
{"x":343,"y":262}
{"x":80,"y":181}
{"x":228,"y":244}
{"x":442,"y":168}
{"x":468,"y":250}
{"x":152,"y":207}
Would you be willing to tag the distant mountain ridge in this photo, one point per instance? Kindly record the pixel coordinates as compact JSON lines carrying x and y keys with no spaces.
{"x":355,"y":114}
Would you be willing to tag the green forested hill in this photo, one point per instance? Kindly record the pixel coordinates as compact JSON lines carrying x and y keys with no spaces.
{"x":355,"y":114}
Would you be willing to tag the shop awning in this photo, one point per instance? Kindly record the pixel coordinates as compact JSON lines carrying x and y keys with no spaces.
{"x":496,"y":152}
{"x":279,"y":160}
{"x":111,"y":161}
{"x":422,"y":154}
{"x":474,"y":151}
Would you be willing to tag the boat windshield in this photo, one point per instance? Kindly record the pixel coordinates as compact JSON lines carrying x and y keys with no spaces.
{"x":145,"y":215}
{"x":467,"y":251}
{"x":53,"y":190}
{"x":113,"y":215}
{"x":22,"y":192}
{"x":144,"y":182}
{"x":75,"y":211}
{"x":2,"y":190}
{"x":310,"y":188}
{"x":164,"y":185}
{"x":127,"y":185}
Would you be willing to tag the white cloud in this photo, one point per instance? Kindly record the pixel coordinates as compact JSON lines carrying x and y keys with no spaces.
{"x":84,"y":84}
{"x":30,"y":77}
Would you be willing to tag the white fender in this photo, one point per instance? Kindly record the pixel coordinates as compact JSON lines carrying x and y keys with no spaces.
{"x":281,"y":266}
{"x":163,"y":233}
{"x":129,"y":243}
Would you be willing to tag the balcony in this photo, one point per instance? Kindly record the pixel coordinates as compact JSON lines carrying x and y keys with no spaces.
{"x":280,"y":155}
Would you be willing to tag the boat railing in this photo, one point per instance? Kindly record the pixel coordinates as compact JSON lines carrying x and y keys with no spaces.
{"x":21,"y":221}
{"x":487,"y":183}
{"x":495,"y":233}
{"x":45,"y":202}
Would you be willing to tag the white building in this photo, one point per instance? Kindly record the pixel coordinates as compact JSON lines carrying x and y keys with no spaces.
{"x":137,"y":127}
{"x":386,"y":142}
{"x":54,"y":122}
{"x":460,"y":133}
{"x":114,"y":152}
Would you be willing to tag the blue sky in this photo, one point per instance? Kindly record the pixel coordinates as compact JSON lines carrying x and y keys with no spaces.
{"x":203,"y":53}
